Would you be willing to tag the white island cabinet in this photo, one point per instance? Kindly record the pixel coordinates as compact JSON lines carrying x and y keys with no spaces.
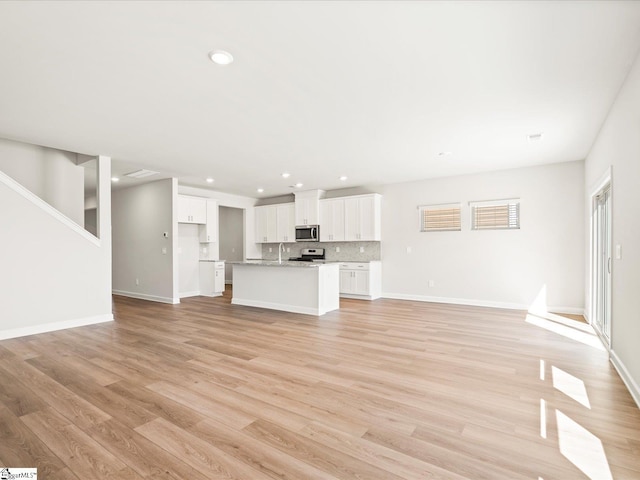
{"x":298,"y":287}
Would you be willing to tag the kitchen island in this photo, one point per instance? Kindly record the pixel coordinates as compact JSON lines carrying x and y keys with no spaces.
{"x":299,"y":287}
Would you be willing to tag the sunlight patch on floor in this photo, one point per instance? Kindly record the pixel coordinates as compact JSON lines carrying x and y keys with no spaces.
{"x":571,"y":386}
{"x":582,"y":448}
{"x":578,"y":335}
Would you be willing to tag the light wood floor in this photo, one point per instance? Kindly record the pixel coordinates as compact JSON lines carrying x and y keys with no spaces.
{"x":378,"y":390}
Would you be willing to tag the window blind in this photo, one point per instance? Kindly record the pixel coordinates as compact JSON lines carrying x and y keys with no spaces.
{"x":502,"y":214}
{"x":439,"y":218}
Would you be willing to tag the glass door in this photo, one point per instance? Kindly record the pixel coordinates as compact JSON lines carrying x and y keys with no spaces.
{"x":602,"y":262}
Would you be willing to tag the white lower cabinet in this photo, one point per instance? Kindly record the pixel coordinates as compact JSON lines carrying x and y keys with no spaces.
{"x":361,"y":280}
{"x":211,"y":278}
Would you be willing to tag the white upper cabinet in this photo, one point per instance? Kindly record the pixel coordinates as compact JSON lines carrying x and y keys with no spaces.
{"x":308,"y":207}
{"x":192,"y":209}
{"x":332,"y":220}
{"x":286,"y":222}
{"x":266,"y":224}
{"x":362,"y":217}
{"x":275,"y":223}
{"x":209,"y":231}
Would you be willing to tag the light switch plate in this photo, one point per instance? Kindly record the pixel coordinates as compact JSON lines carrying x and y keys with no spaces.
{"x":618,"y":252}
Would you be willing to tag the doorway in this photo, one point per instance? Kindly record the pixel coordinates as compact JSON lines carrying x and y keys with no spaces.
{"x":231,"y":226}
{"x":601,"y":261}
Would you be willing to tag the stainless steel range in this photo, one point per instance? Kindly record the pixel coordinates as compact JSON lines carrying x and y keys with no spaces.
{"x":309,"y":255}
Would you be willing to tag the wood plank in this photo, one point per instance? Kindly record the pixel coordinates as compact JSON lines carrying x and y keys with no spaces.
{"x":83,"y":455}
{"x":204,"y":457}
{"x":384,"y":389}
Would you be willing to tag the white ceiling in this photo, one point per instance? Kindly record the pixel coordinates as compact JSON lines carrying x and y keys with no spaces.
{"x":371,"y":90}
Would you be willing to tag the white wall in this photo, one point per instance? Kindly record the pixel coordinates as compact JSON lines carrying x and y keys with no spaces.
{"x":251,"y":249}
{"x":618,"y":146}
{"x":498,"y":267}
{"x":141,"y":215}
{"x":51,"y":174}
{"x":54,"y":273}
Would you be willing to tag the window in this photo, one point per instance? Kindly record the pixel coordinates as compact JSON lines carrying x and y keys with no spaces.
{"x":496,"y":215}
{"x":439,"y":218}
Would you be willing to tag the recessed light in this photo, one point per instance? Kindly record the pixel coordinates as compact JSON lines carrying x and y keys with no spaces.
{"x":260,"y":190}
{"x":534,"y":137}
{"x":444,"y":154}
{"x":343,"y":178}
{"x":209,"y":180}
{"x":220,"y":57}
{"x":115,"y":179}
{"x":286,"y":175}
{"x":299,"y":185}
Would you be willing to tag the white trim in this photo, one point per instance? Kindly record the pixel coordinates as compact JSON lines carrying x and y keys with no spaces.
{"x":277,"y":306}
{"x":479,"y":303}
{"x":601,"y":182}
{"x":628,"y":380}
{"x":19,"y":189}
{"x":493,"y":203}
{"x":358,"y":297}
{"x":54,"y":326}
{"x":144,"y":296}
{"x":195,"y":293}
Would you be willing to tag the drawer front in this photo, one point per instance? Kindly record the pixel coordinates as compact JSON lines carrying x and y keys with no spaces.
{"x":354,"y":266}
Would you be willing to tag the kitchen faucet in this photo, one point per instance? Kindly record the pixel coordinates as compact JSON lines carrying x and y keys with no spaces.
{"x":280,"y":252}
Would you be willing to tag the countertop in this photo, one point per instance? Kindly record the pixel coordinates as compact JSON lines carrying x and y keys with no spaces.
{"x":284,"y":263}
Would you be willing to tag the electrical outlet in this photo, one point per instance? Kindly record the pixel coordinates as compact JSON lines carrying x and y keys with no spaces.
{"x":288,"y":249}
{"x":432,"y":283}
{"x":164,"y":250}
{"x":204,"y":249}
{"x":337,"y":249}
{"x":270,"y":249}
{"x":361,"y":249}
{"x":408,"y":249}
{"x":233,"y":250}
{"x":137,"y":281}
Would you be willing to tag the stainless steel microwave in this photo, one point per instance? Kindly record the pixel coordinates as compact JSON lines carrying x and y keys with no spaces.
{"x":308,"y":233}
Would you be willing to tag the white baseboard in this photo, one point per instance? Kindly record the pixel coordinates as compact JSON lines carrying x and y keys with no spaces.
{"x":189,"y":294}
{"x":277,"y":306}
{"x":628,"y":380}
{"x":144,"y":296}
{"x":478,"y":303}
{"x":52,"y":327}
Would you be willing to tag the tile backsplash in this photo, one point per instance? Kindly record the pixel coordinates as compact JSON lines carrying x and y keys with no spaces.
{"x":349,"y":251}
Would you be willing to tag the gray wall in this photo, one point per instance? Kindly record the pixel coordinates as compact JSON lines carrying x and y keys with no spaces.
{"x":141,"y":215}
{"x":618,"y":146}
{"x":231,"y":231}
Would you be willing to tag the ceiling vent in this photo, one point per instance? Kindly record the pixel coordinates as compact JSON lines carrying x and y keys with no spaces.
{"x":141,"y":174}
{"x":534,"y":137}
